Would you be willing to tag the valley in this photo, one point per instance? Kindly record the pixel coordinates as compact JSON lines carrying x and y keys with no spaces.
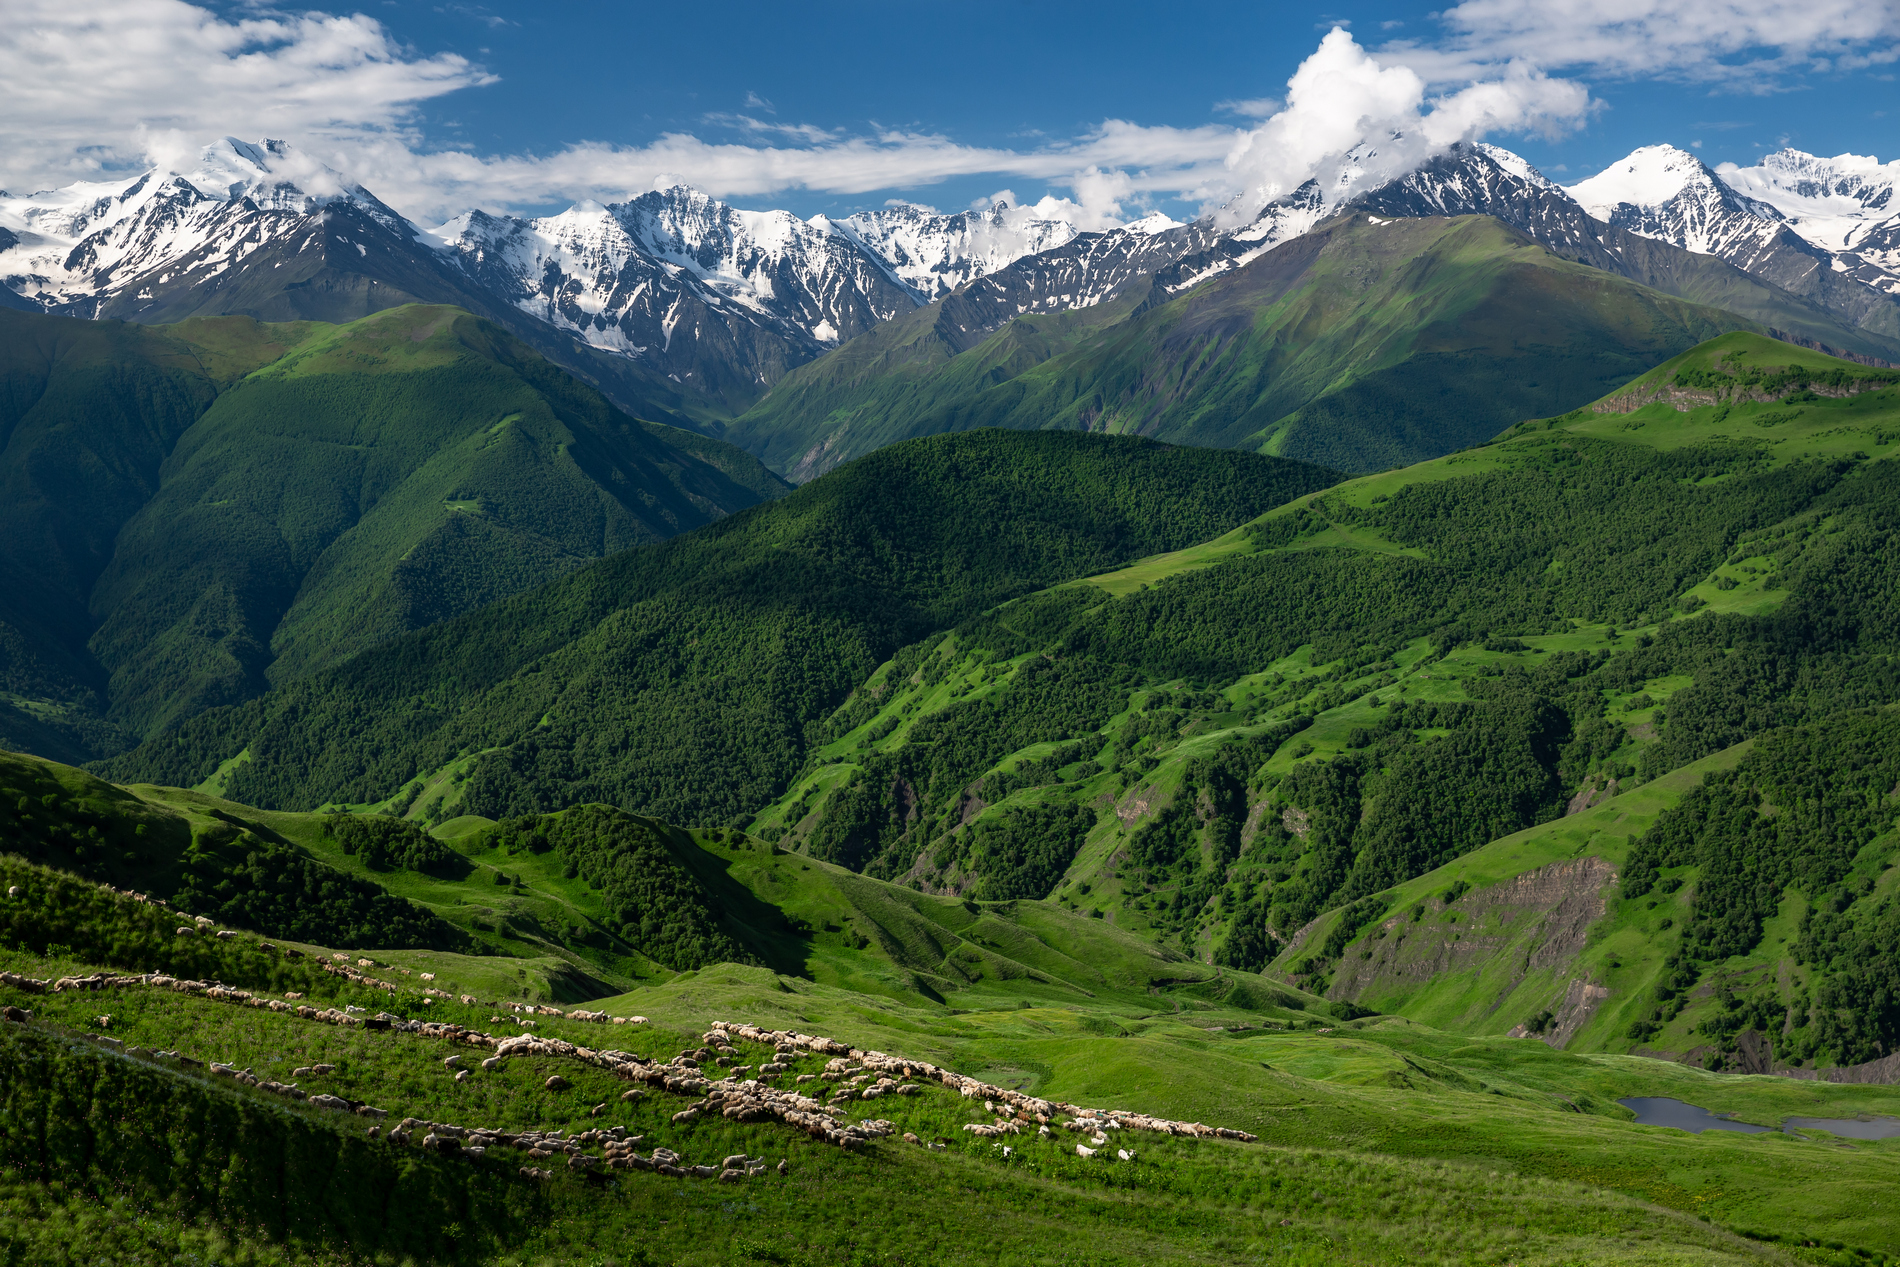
{"x":670,"y":733}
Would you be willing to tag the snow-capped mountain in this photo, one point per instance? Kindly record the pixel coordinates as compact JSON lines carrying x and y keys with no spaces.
{"x":727,"y":301}
{"x":1846,"y":205}
{"x":934,"y":253}
{"x":681,"y":306}
{"x":1670,"y":195}
{"x":721,"y":300}
{"x":75,"y":249}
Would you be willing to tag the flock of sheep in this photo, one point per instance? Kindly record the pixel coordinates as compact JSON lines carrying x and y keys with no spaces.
{"x":854,"y":1074}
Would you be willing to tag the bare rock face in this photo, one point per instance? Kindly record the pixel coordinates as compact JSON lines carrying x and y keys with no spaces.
{"x":1535,"y":922}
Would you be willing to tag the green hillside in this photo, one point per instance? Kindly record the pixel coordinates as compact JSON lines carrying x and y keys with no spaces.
{"x":690,"y":680}
{"x":1214,"y":747}
{"x":1121,"y":778}
{"x":194,"y":511}
{"x":1364,"y":345}
{"x":1381,"y":1139}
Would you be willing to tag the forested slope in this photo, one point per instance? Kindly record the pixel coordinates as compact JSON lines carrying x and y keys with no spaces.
{"x":1365,"y":344}
{"x":193,"y":511}
{"x":1215,"y":747}
{"x":689,"y":680}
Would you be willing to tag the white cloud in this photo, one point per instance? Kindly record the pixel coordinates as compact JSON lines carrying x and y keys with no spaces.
{"x":90,"y":86}
{"x":1748,"y":45}
{"x":1352,"y":123}
{"x":96,"y":87}
{"x":1250,"y":107}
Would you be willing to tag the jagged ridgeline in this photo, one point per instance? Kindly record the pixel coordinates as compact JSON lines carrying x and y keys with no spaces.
{"x":1216,"y":747}
{"x":190,"y":513}
{"x":691,"y":680}
{"x":1363,"y":344}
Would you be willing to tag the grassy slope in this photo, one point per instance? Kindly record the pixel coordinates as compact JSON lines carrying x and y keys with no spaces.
{"x":1370,"y":345}
{"x":185,"y":514}
{"x":88,"y":414}
{"x":381,"y":476}
{"x":1862,"y":427}
{"x":547,"y":933}
{"x":1381,"y":1140}
{"x":872,"y":390}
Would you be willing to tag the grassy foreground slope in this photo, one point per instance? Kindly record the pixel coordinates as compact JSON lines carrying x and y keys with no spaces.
{"x":1214,"y":747}
{"x":1365,"y":344}
{"x":195,"y":510}
{"x":1380,"y":1140}
{"x":686,"y":680}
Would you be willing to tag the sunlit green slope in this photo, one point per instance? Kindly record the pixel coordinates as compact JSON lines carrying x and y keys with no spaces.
{"x":194,"y":511}
{"x":1363,"y":345}
{"x":1213,"y":747}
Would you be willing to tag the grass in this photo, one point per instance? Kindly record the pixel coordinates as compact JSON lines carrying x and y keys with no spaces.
{"x":1384,"y":1141}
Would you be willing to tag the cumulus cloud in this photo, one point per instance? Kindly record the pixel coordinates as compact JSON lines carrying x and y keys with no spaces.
{"x":1352,"y":123}
{"x":1751,"y":45}
{"x":97,"y":85}
{"x":96,"y":88}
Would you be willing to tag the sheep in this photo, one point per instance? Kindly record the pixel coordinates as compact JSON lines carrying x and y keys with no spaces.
{"x":1083,"y":1150}
{"x":462,"y":1075}
{"x":187,"y":932}
{"x":226,"y":934}
{"x":491,"y":1064}
{"x":428,"y":976}
{"x":556,"y":1083}
{"x":13,"y":890}
{"x":452,"y":1062}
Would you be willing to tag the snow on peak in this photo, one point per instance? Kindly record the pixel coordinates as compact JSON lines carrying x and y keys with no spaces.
{"x":1649,"y":177}
{"x":1518,"y":166}
{"x":933,"y":253}
{"x":1152,"y":223}
{"x":1837,"y":203}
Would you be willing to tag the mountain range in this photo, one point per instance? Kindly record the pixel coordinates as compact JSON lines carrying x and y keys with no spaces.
{"x":688,"y":311}
{"x":1386,"y":691}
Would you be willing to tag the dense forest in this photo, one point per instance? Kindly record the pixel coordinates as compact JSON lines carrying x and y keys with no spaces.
{"x":1793,"y":820}
{"x":683,"y":679}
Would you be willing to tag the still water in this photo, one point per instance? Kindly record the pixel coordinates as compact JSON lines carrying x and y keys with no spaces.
{"x":1656,"y":1110}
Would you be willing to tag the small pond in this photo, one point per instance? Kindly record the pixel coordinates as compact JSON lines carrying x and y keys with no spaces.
{"x":1847,"y":1127}
{"x":1656,"y":1110}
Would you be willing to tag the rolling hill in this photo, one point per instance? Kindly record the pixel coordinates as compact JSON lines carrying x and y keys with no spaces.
{"x":1217,"y":747}
{"x":252,"y":1062}
{"x":195,"y":510}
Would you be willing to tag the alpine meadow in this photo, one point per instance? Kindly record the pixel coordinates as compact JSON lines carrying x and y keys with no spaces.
{"x":1299,"y":693}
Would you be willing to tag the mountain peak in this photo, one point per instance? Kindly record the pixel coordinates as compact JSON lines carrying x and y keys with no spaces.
{"x":1648,"y":177}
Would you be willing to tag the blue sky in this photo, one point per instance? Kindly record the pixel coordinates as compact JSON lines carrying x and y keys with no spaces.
{"x":1013,"y":73}
{"x":1109,"y":109}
